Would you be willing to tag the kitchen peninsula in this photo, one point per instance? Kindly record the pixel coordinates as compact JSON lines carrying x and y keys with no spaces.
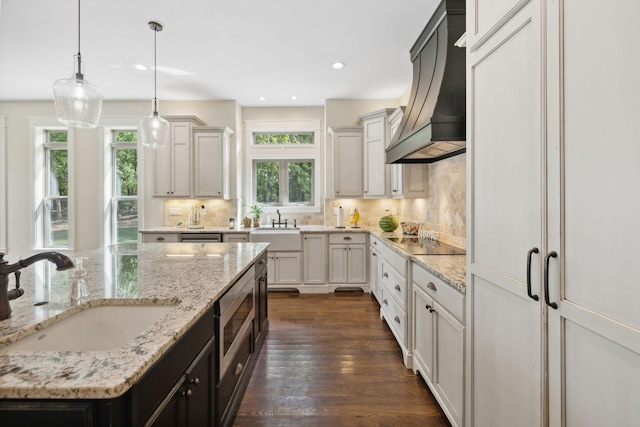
{"x":116,"y":386}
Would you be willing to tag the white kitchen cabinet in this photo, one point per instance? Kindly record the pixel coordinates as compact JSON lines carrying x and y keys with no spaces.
{"x":173,"y":162}
{"x":235,"y":237}
{"x":438,"y":340}
{"x":376,"y":136}
{"x":347,"y":161}
{"x":314,"y":247}
{"x":552,"y":158}
{"x":348,"y":258}
{"x":212,"y":163}
{"x":284,"y":268}
{"x":408,"y":180}
{"x":160,"y":237}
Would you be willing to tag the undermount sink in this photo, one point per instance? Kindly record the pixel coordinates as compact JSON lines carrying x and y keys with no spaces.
{"x":280,"y":239}
{"x":98,"y":328}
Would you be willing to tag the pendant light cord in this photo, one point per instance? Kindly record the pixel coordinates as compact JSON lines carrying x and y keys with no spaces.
{"x":79,"y":75}
{"x":155,"y":71}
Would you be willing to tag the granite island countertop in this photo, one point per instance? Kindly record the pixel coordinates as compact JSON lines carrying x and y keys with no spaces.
{"x":190,"y":276}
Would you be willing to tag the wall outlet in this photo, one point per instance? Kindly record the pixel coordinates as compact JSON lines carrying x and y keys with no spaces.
{"x":394,"y":211}
{"x":334,"y":211}
{"x":175,"y":212}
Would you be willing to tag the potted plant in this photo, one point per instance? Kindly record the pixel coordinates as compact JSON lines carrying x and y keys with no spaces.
{"x":257,"y":211}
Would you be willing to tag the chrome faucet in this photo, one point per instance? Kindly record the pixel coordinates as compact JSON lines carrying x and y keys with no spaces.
{"x":61,"y":261}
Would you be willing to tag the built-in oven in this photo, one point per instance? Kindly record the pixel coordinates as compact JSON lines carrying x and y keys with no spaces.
{"x":234,"y":315}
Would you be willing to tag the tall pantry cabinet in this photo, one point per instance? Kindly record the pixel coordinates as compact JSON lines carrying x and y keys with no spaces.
{"x":553,"y":333}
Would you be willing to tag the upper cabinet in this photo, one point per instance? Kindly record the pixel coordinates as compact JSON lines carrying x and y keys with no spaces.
{"x":347,"y":161}
{"x":408,"y":180}
{"x":211,"y":172}
{"x":376,"y":137}
{"x":173,"y":162}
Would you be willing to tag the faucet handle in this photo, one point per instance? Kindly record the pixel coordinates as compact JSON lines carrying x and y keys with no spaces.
{"x":2,"y":260}
{"x":18,"y":274}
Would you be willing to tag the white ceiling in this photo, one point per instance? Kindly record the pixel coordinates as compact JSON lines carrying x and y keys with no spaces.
{"x":214,"y":49}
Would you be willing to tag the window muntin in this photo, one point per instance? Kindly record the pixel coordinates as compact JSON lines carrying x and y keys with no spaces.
{"x":56,"y":197}
{"x":284,"y":182}
{"x":124,"y":200}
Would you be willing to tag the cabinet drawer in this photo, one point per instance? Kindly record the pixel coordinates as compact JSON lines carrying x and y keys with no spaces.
{"x":160,"y":237}
{"x":436,"y":288}
{"x":227,"y":384}
{"x":394,"y":316}
{"x":396,"y":260}
{"x":347,"y":238}
{"x":394,"y":283}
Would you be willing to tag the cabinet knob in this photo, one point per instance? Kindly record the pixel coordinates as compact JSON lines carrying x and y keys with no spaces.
{"x":374,"y":254}
{"x":397,"y":288}
{"x":428,"y":307}
{"x":432,"y":286}
{"x":263,"y":261}
{"x":385,"y":275}
{"x":187,"y":393}
{"x":384,"y":301}
{"x":375,"y":243}
{"x":239,"y":368}
{"x":195,"y":381}
{"x":431,"y":310}
{"x":397,"y":320}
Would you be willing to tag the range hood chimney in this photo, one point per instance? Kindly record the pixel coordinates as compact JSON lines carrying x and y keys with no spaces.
{"x":433,"y":124}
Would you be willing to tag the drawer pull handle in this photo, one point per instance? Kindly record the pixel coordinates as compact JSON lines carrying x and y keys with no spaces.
{"x":239,"y":368}
{"x":529,"y":255}
{"x":346,"y":238}
{"x":374,"y":254}
{"x":385,"y":275}
{"x":397,"y":320}
{"x":428,"y":307}
{"x":384,"y":301}
{"x":432,"y":286}
{"x":547,"y":299}
{"x":160,"y":239}
{"x":431,"y":310}
{"x":397,"y":288}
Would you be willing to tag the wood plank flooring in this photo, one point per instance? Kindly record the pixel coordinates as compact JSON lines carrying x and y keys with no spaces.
{"x":329,"y":360}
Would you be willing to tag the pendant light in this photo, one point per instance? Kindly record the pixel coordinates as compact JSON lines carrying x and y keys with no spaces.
{"x":78,"y":102}
{"x":154,"y":130}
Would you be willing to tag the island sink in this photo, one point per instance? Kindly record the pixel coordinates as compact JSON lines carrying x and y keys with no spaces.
{"x":98,"y":328}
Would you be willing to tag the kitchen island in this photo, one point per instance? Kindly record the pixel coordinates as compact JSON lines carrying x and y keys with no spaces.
{"x":188,"y":277}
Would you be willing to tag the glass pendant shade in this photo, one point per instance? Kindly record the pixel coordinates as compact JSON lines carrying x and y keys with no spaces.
{"x":78,"y":102}
{"x":154,"y":130}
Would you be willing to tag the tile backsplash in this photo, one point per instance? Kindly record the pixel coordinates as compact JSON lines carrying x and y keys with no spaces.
{"x":444,"y":209}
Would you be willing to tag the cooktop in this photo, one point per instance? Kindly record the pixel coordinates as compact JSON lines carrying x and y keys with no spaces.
{"x":417,"y":246}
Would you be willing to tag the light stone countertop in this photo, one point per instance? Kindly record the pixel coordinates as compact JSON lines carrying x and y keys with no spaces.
{"x":122,"y":274}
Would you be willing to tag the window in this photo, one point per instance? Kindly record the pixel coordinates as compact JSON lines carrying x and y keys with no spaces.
{"x":124,"y":188}
{"x":285,"y":161}
{"x":55,"y":203}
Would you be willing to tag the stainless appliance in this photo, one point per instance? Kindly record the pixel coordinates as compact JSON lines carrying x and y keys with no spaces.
{"x":201,"y":237}
{"x":417,"y":246}
{"x":234,"y":314}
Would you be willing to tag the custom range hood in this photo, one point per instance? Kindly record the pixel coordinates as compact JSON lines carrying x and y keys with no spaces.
{"x":433,"y":124}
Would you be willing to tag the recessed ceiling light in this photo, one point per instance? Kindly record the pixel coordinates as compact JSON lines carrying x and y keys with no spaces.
{"x":140,"y":67}
{"x":262,"y":98}
{"x":293,"y":98}
{"x":337,"y":65}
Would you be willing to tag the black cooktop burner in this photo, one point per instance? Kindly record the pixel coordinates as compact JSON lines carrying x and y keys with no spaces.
{"x":425,"y":246}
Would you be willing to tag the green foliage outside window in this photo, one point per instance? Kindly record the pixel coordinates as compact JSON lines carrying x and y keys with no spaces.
{"x":300,"y":174}
{"x":283,"y":138}
{"x":268,"y":182}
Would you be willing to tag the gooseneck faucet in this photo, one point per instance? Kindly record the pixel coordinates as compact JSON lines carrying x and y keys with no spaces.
{"x":61,"y":261}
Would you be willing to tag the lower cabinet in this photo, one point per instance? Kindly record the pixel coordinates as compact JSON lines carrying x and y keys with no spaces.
{"x":160,"y":237}
{"x":314,"y":249}
{"x":438,"y":342}
{"x":235,"y":237}
{"x":284,"y":268}
{"x":348,"y":258}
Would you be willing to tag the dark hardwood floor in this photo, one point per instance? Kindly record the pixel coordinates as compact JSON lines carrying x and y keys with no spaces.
{"x":329,"y":360}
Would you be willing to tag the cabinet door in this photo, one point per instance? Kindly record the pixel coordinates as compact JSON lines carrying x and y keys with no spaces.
{"x":348,"y":164}
{"x":374,"y":157}
{"x":208,"y":162}
{"x":173,"y":410}
{"x":315,"y":258}
{"x":271,"y":267}
{"x":163,"y":171}
{"x":181,"y":162}
{"x":338,"y":263}
{"x":505,"y":178}
{"x":287,"y":268}
{"x":423,"y":333}
{"x":373,"y":272}
{"x":594,"y":331}
{"x":235,"y":237}
{"x":200,"y":388}
{"x":448,"y":375}
{"x":356,"y":264}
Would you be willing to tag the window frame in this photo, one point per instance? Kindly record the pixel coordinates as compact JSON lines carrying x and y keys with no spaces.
{"x":283,"y":200}
{"x":284,"y":153}
{"x":40,"y":126}
{"x":115,"y":199}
